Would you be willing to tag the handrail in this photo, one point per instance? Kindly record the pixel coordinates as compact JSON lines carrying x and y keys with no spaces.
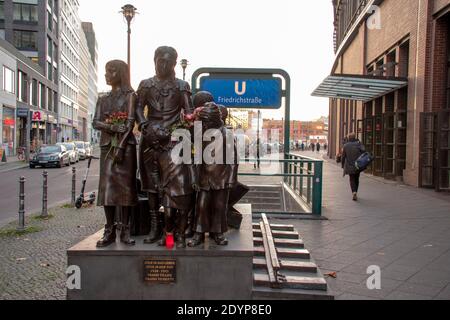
{"x":302,"y":175}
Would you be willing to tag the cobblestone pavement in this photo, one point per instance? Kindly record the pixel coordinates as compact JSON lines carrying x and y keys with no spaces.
{"x":33,"y":266}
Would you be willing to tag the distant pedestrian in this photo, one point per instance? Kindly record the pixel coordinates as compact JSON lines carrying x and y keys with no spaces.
{"x":313,"y":147}
{"x":325,"y":147}
{"x":318,"y":147}
{"x":303,"y":147}
{"x":352,"y":150}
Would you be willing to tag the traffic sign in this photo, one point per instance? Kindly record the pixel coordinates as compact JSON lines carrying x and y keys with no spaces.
{"x":238,"y":92}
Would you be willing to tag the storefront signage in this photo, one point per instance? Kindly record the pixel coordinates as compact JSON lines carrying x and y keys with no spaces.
{"x":37,"y":116}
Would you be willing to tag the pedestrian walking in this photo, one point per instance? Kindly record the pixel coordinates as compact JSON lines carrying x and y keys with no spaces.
{"x":313,"y":147}
{"x":352,"y":150}
{"x":303,"y":147}
{"x":318,"y":146}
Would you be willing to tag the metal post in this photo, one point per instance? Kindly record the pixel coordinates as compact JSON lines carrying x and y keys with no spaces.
{"x":44,"y":195}
{"x":317,"y":189}
{"x":21,"y":226}
{"x":74,"y":185}
{"x":129,"y":48}
{"x":28,"y":137}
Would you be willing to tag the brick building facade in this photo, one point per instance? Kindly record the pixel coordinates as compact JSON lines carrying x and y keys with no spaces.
{"x":407,"y":126}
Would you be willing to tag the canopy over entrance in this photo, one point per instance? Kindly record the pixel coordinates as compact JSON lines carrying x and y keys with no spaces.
{"x":357,"y":87}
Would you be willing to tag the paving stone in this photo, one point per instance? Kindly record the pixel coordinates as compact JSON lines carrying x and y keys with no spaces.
{"x":29,"y":279}
{"x":399,"y":295}
{"x":418,"y":289}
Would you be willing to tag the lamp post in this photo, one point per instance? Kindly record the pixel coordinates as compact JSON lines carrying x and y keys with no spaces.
{"x":129,"y":12}
{"x":184,"y":64}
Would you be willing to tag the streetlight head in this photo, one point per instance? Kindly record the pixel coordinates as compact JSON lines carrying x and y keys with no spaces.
{"x":129,"y":12}
{"x":184,"y":63}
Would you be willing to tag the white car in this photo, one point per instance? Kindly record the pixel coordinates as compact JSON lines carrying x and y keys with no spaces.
{"x":74,"y":155}
{"x":82,"y":150}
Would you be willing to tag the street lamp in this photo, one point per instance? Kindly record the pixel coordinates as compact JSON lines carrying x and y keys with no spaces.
{"x":129,"y":12}
{"x":73,"y":123}
{"x":184,"y":64}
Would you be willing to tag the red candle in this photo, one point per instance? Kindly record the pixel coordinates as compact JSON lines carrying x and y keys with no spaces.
{"x":170,"y":242}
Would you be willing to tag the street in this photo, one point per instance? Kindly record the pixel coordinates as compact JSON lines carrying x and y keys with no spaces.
{"x":59,"y":188}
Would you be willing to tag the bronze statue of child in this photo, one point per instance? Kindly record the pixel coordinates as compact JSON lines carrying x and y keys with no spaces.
{"x":115,"y":118}
{"x":215,"y":180}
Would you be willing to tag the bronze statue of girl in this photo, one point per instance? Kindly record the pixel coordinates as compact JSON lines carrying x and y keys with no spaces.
{"x":115,"y":118}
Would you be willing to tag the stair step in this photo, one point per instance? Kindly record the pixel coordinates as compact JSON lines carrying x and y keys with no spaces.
{"x":277,"y":227}
{"x":293,"y":282}
{"x":264,"y":293}
{"x":285,"y":253}
{"x":282,"y":243}
{"x":279,"y":234}
{"x":298,"y":266}
{"x":261,"y":201}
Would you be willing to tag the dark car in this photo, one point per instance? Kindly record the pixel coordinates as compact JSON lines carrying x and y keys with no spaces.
{"x":48,"y":156}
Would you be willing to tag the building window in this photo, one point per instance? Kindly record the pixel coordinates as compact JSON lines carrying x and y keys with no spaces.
{"x":49,"y":71}
{"x":50,"y":99}
{"x":2,"y":10}
{"x":25,"y":12}
{"x":42,"y":100}
{"x":25,"y":40}
{"x":9,"y":80}
{"x":22,"y":93}
{"x":448,"y":66}
{"x":49,"y":21}
{"x":34,"y":93}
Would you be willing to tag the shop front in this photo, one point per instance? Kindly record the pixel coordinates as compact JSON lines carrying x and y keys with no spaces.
{"x":8,"y":131}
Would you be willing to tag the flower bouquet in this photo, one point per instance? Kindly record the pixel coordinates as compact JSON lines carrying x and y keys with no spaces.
{"x":116,"y":119}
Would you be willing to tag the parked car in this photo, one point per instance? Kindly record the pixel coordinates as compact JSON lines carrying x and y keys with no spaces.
{"x":83,"y":152}
{"x":72,"y":149}
{"x":50,"y":156}
{"x":89,"y":149}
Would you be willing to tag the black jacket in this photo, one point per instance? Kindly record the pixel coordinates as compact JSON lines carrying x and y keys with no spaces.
{"x":352,"y":151}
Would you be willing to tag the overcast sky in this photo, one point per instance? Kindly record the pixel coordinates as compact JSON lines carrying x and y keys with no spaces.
{"x":293,"y":35}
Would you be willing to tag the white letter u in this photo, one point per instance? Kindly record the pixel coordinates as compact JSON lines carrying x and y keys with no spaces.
{"x":244,"y":88}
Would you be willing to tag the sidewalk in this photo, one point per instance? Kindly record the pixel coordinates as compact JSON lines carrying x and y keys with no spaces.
{"x":403,"y":230}
{"x":32,"y":266}
{"x":12,"y":164}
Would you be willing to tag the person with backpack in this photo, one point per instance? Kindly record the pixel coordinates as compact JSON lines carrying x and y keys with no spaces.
{"x":352,"y":151}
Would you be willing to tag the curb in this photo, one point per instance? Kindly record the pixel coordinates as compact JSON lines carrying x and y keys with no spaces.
{"x":24,"y":166}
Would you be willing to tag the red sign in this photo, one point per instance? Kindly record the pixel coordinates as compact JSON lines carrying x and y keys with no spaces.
{"x":9,"y":122}
{"x":37,"y":116}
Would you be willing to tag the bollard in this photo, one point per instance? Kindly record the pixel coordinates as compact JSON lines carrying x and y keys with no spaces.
{"x":74,"y":185}
{"x":44,"y":195}
{"x":21,"y":226}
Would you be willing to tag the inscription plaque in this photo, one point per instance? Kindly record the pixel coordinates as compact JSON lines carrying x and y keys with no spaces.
{"x":160,"y":271}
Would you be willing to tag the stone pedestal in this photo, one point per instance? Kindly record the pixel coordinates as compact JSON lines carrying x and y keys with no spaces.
{"x":208,"y":272}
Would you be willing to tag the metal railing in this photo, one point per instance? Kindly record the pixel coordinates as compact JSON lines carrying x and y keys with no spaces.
{"x":303,"y":175}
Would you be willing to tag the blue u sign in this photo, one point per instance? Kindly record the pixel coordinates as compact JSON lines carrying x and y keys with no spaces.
{"x":245,"y":93}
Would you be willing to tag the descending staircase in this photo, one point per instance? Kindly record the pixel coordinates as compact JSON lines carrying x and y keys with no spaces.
{"x":265,"y":199}
{"x":296,"y":275}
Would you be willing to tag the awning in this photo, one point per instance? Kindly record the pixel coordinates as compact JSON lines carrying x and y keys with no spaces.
{"x":357,"y":87}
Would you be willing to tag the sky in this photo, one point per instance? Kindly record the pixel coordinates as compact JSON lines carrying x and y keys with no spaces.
{"x":293,"y":35}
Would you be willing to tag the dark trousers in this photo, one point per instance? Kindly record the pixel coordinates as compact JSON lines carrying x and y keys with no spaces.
{"x":212,"y":209}
{"x":354,"y":182}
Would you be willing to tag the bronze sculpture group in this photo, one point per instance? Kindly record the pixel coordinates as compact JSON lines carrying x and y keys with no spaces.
{"x":195,"y":197}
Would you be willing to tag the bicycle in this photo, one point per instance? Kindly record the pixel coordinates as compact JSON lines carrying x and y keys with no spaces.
{"x":21,"y":154}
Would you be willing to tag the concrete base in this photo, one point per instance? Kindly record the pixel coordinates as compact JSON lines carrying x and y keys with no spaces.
{"x":209,"y":272}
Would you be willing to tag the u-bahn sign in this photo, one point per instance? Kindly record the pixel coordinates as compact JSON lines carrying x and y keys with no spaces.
{"x":248,"y":88}
{"x":250,"y":92}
